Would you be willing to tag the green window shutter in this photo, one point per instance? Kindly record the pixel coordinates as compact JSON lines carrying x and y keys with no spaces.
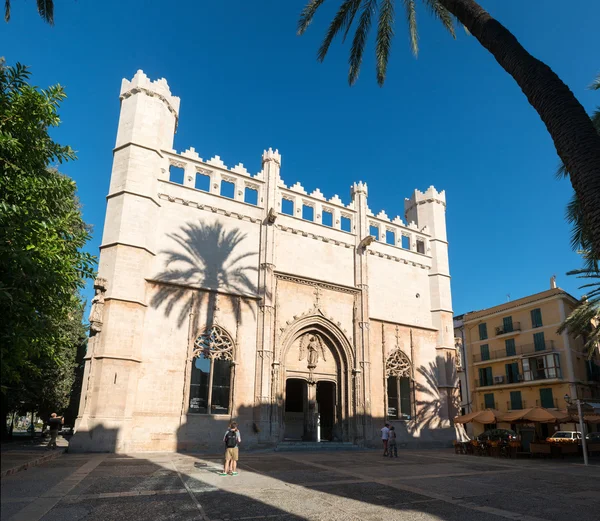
{"x":489,"y":401}
{"x":512,"y":373}
{"x":481,"y":376}
{"x":539,"y":342}
{"x":484,"y":349}
{"x":546,"y":398}
{"x":483,"y":332}
{"x":536,"y":317}
{"x":507,"y":324}
{"x":515,"y":400}
{"x":511,"y":349}
{"x":488,"y":376}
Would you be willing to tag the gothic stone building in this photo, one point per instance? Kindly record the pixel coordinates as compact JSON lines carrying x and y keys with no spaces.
{"x":224,"y":295}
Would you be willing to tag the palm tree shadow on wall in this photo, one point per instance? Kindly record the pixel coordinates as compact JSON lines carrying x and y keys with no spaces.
{"x":437,"y":402}
{"x":209,"y":258}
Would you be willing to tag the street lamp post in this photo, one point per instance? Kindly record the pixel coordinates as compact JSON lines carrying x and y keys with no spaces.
{"x":579,"y":413}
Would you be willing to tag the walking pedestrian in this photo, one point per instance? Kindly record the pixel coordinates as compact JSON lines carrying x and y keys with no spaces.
{"x":392,"y":445}
{"x":385,"y":434}
{"x":54,"y":423}
{"x":232,"y":440}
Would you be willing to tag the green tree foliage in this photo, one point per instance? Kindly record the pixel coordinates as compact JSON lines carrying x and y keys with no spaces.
{"x":584,"y":321}
{"x":45,"y":9}
{"x":42,"y":233}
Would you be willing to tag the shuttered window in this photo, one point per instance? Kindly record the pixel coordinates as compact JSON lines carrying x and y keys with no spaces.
{"x":511,"y":349}
{"x":536,"y":317}
{"x":484,"y":349}
{"x":507,"y":324}
{"x":488,"y":400}
{"x":515,"y":400}
{"x":539,"y":342}
{"x":546,"y":398}
{"x":483,"y":332}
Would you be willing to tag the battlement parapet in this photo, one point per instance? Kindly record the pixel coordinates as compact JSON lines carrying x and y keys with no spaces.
{"x":430,"y":195}
{"x":159,"y":88}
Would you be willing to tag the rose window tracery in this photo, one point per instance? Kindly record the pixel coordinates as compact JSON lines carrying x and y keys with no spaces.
{"x":215,"y":344}
{"x":398,"y":365}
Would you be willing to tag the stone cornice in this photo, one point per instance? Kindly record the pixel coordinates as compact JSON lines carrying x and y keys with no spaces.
{"x":131,"y":143}
{"x":209,"y":208}
{"x":313,"y":282}
{"x":200,"y":288}
{"x":129,"y":192}
{"x":121,"y":243}
{"x":412,"y":326}
{"x":315,"y":236}
{"x":398,"y":259}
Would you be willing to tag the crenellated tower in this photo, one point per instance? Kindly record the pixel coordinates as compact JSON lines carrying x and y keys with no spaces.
{"x":428,"y":211}
{"x":147,"y":124}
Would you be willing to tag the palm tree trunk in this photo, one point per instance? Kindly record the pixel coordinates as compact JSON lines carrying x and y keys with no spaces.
{"x":576,"y":141}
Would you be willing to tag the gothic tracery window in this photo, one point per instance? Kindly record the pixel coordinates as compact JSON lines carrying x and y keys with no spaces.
{"x":211,"y":372}
{"x":398,"y":372}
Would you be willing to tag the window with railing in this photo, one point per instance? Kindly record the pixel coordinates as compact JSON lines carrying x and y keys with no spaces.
{"x":542,"y":367}
{"x":512,"y":373}
{"x":485,"y":376}
{"x":488,"y":401}
{"x":539,"y":341}
{"x":511,"y":348}
{"x":508,"y":326}
{"x":484,"y":350}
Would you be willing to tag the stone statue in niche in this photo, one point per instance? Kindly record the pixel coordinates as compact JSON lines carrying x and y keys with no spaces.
{"x":313,"y":350}
{"x":97,"y":311}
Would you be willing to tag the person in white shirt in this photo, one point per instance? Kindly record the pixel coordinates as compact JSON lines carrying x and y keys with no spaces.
{"x":385,"y":436}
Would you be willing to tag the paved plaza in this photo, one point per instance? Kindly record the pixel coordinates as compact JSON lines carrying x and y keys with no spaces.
{"x":354,"y":485}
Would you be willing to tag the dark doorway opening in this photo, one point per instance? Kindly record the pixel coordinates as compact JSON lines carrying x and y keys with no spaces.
{"x":296,"y":398}
{"x":326,"y":400}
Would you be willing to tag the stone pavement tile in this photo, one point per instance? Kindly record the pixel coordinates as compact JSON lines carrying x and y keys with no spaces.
{"x":7,"y":510}
{"x":178,"y":507}
{"x":128,"y":470}
{"x":34,"y":481}
{"x":546,"y":507}
{"x":369,"y":493}
{"x":100,"y":485}
{"x":454,"y":487}
{"x":228,"y":505}
{"x":272,"y":464}
{"x":308,"y":476}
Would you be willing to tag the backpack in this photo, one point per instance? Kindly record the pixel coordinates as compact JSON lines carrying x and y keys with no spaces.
{"x":231,"y":439}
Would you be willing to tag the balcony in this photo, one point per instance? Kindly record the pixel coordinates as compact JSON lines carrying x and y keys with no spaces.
{"x":483,"y":406}
{"x":515,"y":327}
{"x":519,"y":351}
{"x":544,"y":373}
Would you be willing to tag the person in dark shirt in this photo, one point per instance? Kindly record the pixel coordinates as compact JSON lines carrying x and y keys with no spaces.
{"x":54,"y":424}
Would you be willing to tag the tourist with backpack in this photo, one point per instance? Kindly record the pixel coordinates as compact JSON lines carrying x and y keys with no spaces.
{"x":232,"y":440}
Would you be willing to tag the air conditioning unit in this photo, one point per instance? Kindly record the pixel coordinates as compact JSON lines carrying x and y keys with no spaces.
{"x":498,"y":379}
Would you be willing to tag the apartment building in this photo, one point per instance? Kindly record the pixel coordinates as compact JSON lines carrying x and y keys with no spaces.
{"x":516,"y":359}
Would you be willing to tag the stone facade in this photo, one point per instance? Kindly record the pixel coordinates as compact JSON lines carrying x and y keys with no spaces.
{"x":298,"y":316}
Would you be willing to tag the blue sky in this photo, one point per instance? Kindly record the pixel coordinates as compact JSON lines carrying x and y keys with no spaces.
{"x":452,"y":118}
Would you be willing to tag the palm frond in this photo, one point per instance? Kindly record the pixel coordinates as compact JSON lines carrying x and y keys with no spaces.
{"x":342,"y":20}
{"x":7,"y":10}
{"x":46,"y":10}
{"x":360,"y":39}
{"x":411,"y":18}
{"x":385,"y":33}
{"x":442,"y":14}
{"x":307,"y":15}
{"x":595,"y":84}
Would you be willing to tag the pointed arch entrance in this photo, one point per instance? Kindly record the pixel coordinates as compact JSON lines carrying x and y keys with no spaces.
{"x":315,"y":367}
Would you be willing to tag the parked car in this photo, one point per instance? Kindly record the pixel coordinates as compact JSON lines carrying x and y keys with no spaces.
{"x":564,"y":436}
{"x":593,"y":436}
{"x":498,"y":435}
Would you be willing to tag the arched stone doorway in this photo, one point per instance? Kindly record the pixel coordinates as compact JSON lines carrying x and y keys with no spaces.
{"x":315,"y":376}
